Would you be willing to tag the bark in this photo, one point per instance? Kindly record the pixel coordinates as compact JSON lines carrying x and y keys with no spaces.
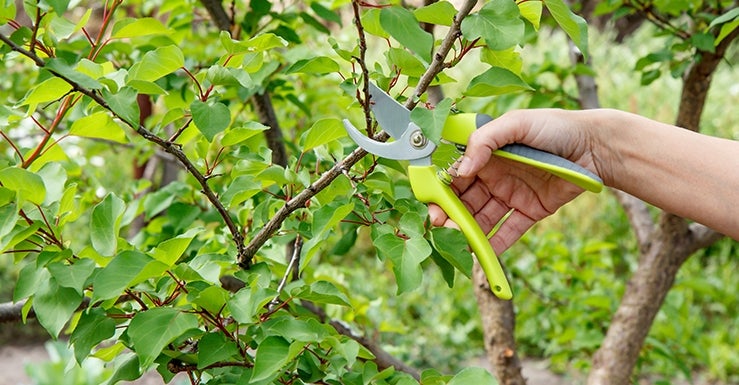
{"x":266,"y":111}
{"x":663,"y":248}
{"x":498,"y":324}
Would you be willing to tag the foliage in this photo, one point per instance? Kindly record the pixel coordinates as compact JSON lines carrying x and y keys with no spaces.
{"x":141,"y":272}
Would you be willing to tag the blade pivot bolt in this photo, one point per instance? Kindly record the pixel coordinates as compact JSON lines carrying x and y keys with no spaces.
{"x":418,"y":140}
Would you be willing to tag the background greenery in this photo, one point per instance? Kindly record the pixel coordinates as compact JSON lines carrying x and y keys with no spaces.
{"x":568,"y":272}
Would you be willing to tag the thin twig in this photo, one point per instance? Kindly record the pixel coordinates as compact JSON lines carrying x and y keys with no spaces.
{"x":363,"y":100}
{"x":290,"y":266}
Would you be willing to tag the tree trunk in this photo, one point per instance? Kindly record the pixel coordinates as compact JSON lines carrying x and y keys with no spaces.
{"x":662,"y":249}
{"x":498,"y":324}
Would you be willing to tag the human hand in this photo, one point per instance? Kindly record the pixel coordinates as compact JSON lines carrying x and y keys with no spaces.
{"x":491,"y":186}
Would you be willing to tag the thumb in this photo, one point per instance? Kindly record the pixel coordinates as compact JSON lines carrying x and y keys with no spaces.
{"x":508,"y":128}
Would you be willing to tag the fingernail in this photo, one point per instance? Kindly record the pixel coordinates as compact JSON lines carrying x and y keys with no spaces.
{"x":464,"y":166}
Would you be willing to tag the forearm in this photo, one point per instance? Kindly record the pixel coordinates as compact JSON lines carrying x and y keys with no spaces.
{"x":685,"y":173}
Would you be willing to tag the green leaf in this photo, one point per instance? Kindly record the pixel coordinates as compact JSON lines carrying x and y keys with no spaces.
{"x":118,"y":274}
{"x":7,"y":12}
{"x":219,"y":75}
{"x":105,"y":223}
{"x":323,"y":292}
{"x":403,"y":27}
{"x":127,"y":368}
{"x":317,"y":65}
{"x":93,"y":327}
{"x":8,"y":218}
{"x":54,"y":305}
{"x":124,"y":104}
{"x":29,"y":280}
{"x":271,"y":356}
{"x":237,"y":135}
{"x":50,"y":89}
{"x":498,"y":23}
{"x":54,"y":177}
{"x":73,"y":276}
{"x":215,"y":347}
{"x":730,"y":15}
{"x":172,"y":249}
{"x":452,"y":246}
{"x":441,"y":13}
{"x":322,"y":132}
{"x":496,"y":81}
{"x":157,"y":63}
{"x":405,"y":61}
{"x":145,"y":26}
{"x":61,"y":67}
{"x":726,"y":29}
{"x":247,"y":303}
{"x":210,"y":118}
{"x":325,"y":13}
{"x":574,"y":26}
{"x":472,"y":375}
{"x":703,"y":42}
{"x":432,"y":121}
{"x":27,"y":185}
{"x":297,"y":329}
{"x":531,"y":11}
{"x":325,"y":220}
{"x":509,"y":59}
{"x":371,"y":22}
{"x":98,"y":125}
{"x":150,"y":331}
{"x":406,"y":256}
{"x":212,"y":299}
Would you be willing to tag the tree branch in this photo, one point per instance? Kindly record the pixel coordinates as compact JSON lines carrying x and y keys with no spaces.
{"x":218,"y":14}
{"x":437,"y":65}
{"x":382,"y":358}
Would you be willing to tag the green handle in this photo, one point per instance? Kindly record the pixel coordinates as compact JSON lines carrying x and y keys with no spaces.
{"x":429,"y":188}
{"x":459,"y":127}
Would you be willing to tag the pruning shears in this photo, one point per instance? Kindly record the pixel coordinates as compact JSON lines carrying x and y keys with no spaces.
{"x":430,"y":184}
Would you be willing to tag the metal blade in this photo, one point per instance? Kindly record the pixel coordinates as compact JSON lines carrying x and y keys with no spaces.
{"x":400,"y":149}
{"x":391,"y":115}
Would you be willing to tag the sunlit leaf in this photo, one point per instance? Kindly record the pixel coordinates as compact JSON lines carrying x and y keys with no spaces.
{"x":127,"y":28}
{"x":531,"y":11}
{"x":98,"y":125}
{"x":106,"y":220}
{"x":322,"y":132}
{"x":574,"y":25}
{"x":441,"y":13}
{"x":157,"y":63}
{"x":317,"y":65}
{"x":28,"y":185}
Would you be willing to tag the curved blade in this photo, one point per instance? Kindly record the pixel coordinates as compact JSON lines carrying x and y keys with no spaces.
{"x":391,"y":115}
{"x":399,"y":149}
